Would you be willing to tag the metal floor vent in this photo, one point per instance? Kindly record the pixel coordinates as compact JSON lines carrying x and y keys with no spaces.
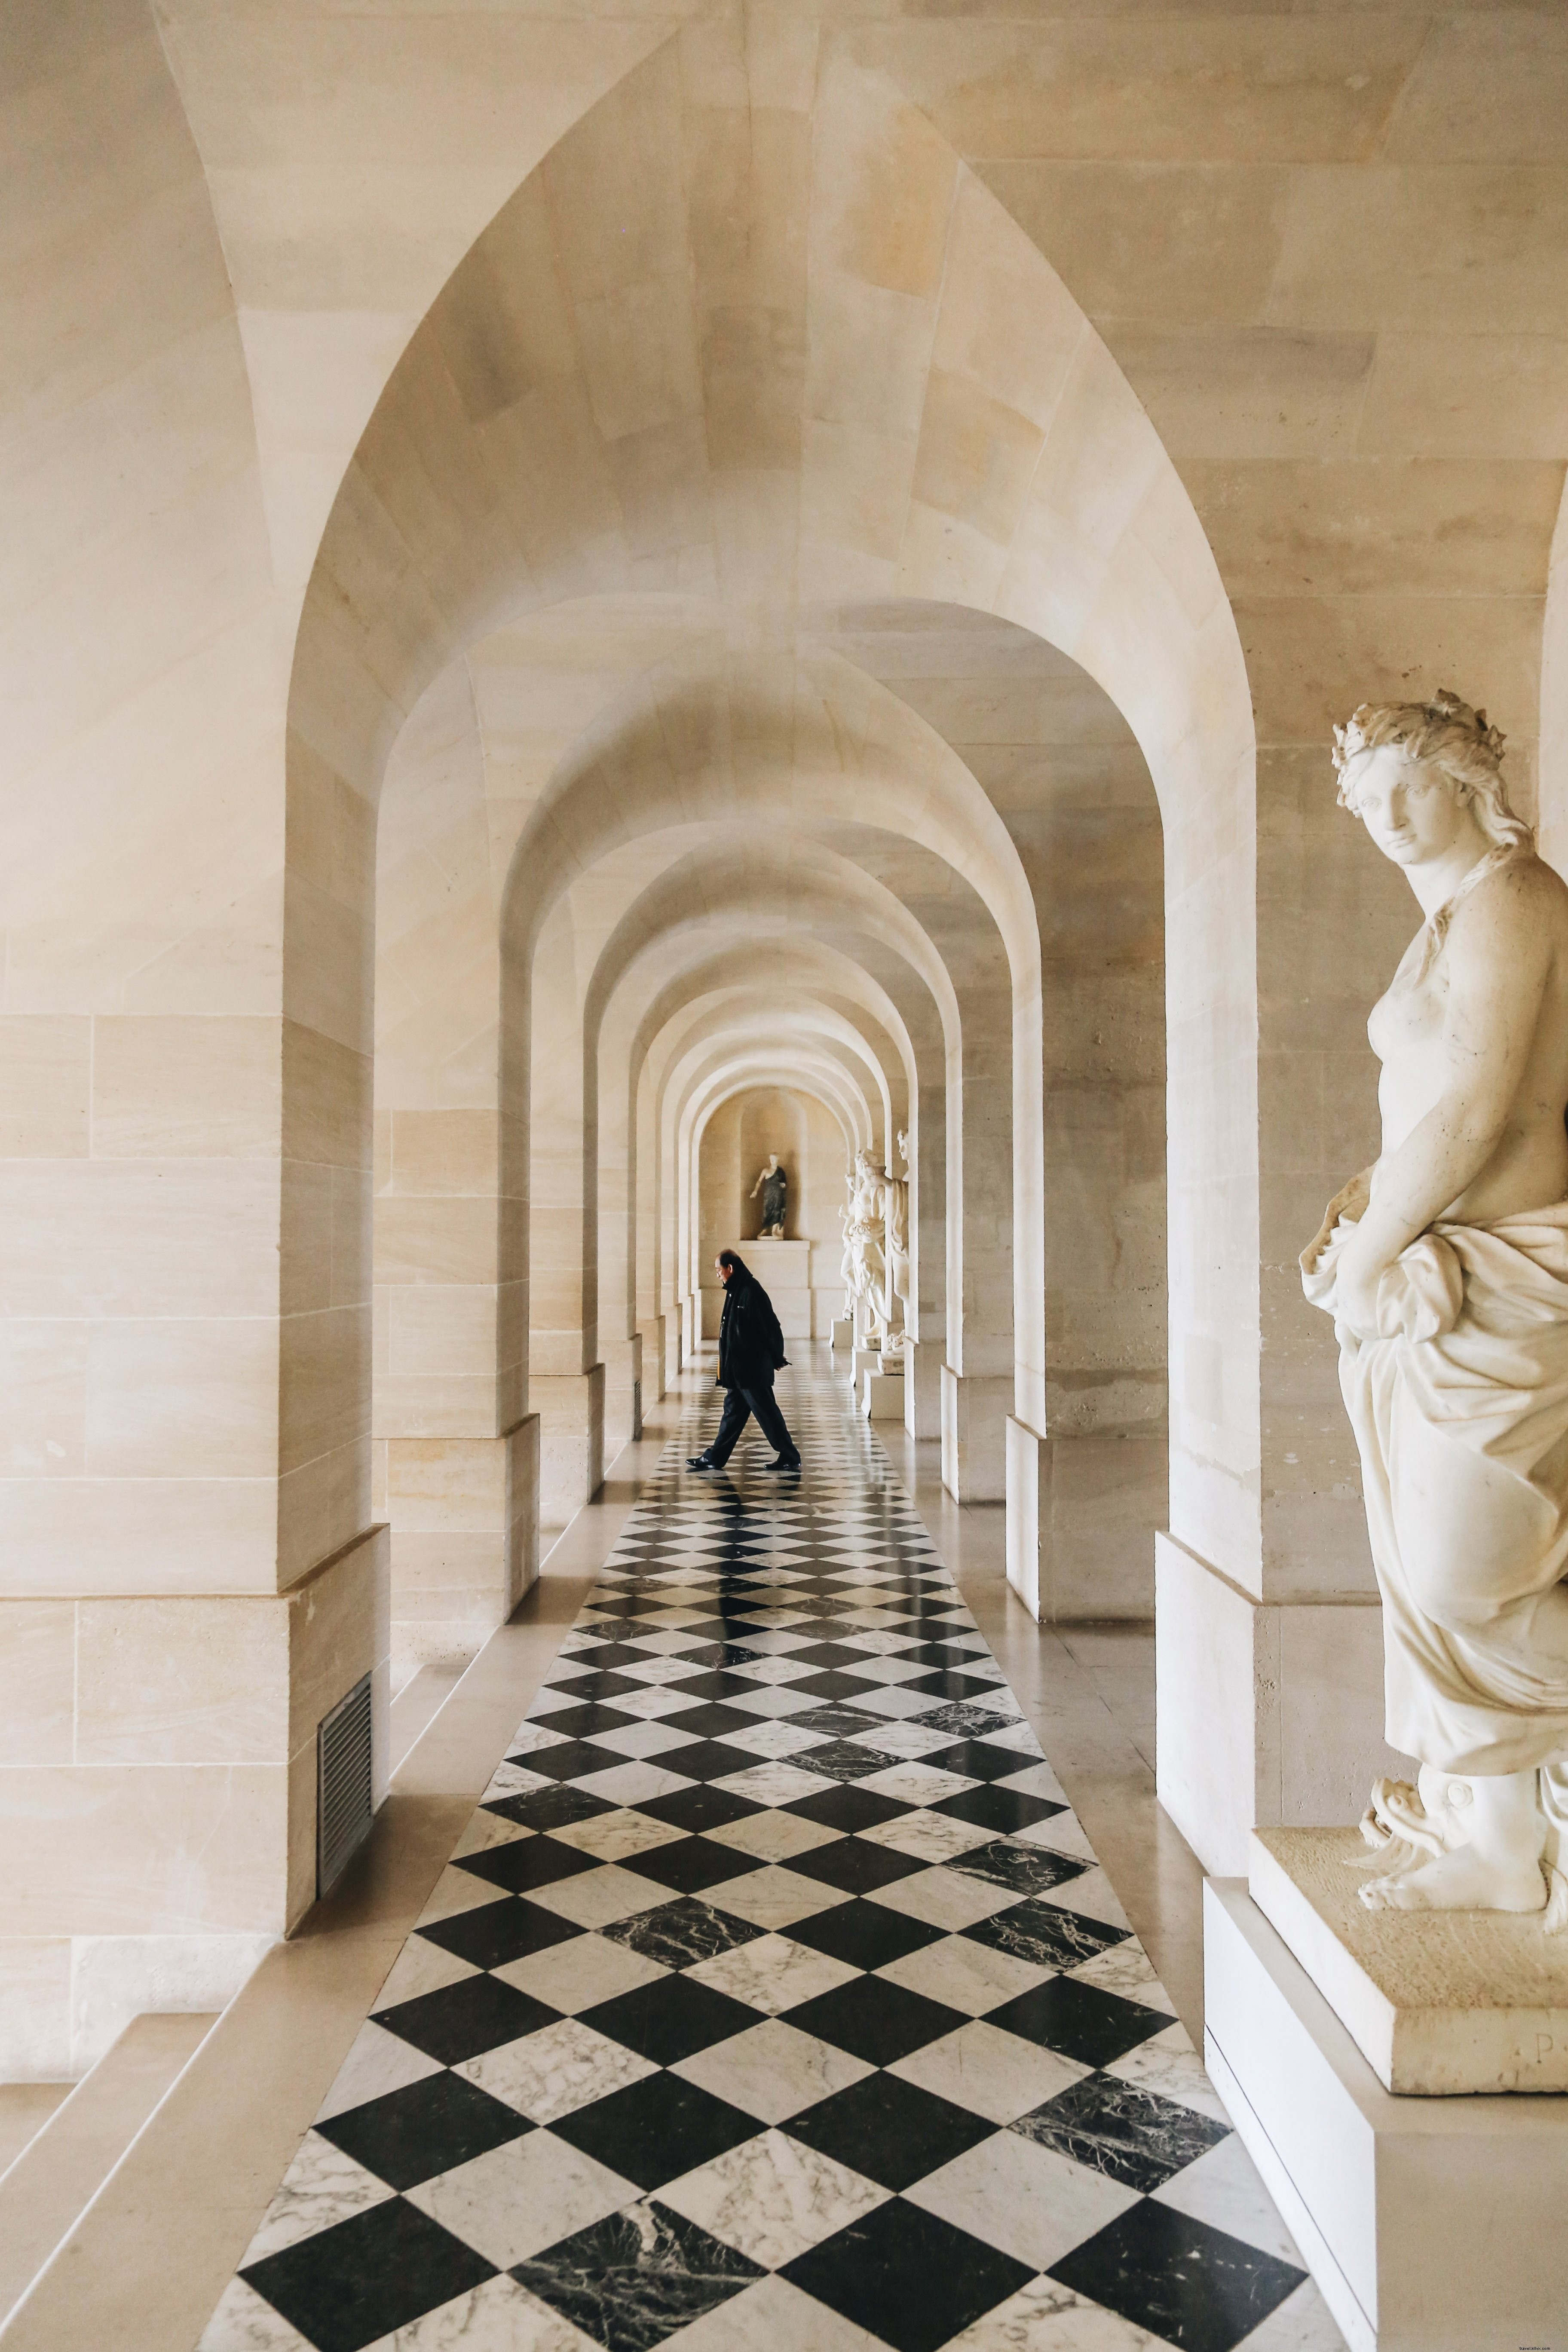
{"x":343,"y":1783}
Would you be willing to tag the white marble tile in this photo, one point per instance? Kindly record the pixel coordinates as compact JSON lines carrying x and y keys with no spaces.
{"x":498,"y":2317}
{"x":653,"y":1706}
{"x":527,"y":1739}
{"x":654,"y":1671}
{"x":912,"y":1740}
{"x":773,"y":1670}
{"x":966,"y":1975}
{"x":1045,"y":2317}
{"x":1063,"y":1834}
{"x":945,"y":1897}
{"x":1223,"y":2187}
{"x":455,"y":1891}
{"x":1126,"y":1969}
{"x":773,"y":2071}
{"x":1019,"y":1737}
{"x":322,"y":2186}
{"x":773,"y":1783}
{"x":773,"y":1836}
{"x":487,"y":1829}
{"x":992,"y":2073}
{"x":635,"y":1739}
{"x":1094,"y":1896}
{"x":772,"y":2198}
{"x":580,"y":1974}
{"x":932,"y":1837}
{"x":1302,"y":2323}
{"x":378,"y":2062}
{"x":1031,"y":2202}
{"x":513,"y":2200}
{"x":597,"y":1897}
{"x":1037,"y":1780}
{"x":915,"y":1784}
{"x":632,"y":1783}
{"x":770,"y":1897}
{"x":777,"y":1737}
{"x":548,"y":2073}
{"x":614,"y":1837}
{"x":895,"y":1702}
{"x":1169,"y":2065}
{"x":245,"y":2322}
{"x":772,"y":1699}
{"x":421,"y":1966}
{"x":772,"y":1974}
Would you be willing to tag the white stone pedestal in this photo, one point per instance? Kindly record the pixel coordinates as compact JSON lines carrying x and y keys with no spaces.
{"x":841,"y":1334}
{"x":1430,"y":2224}
{"x":1467,"y":2001}
{"x":863,"y":1360}
{"x":882,"y":1395}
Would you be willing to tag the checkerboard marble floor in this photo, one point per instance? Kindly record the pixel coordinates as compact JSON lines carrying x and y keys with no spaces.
{"x":773,"y":2000}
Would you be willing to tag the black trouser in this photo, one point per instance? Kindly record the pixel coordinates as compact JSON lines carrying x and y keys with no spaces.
{"x":739,"y":1404}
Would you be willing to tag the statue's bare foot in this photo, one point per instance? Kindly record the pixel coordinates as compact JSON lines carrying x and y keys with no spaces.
{"x":1464,"y":1880}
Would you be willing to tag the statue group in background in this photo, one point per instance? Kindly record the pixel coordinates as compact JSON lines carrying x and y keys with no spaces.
{"x":774,"y":1185}
{"x":1445,"y":1266}
{"x":876,"y":1264}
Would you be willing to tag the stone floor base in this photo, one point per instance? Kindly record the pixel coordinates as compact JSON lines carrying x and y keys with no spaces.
{"x":1429,"y":2224}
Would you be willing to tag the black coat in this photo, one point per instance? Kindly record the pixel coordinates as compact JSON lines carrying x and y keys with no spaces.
{"x":751,"y":1344}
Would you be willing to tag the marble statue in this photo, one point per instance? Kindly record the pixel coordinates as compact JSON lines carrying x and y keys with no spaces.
{"x":862,"y":1222}
{"x":1445,"y":1267}
{"x":774,"y":1185}
{"x":895,"y":1252}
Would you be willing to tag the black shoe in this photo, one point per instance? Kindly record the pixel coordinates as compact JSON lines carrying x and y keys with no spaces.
{"x":700,"y":1462}
{"x":782,"y":1464}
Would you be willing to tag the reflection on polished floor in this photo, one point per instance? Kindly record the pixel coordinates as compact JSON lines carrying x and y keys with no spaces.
{"x":774,"y":1997}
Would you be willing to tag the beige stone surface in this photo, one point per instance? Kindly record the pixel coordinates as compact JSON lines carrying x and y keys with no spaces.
{"x":1439,"y":2004}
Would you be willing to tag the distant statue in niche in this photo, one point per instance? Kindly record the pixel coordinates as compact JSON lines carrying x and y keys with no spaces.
{"x":774,"y":1185}
{"x":1445,"y":1267}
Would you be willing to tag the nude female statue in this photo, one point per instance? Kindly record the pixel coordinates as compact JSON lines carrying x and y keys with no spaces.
{"x":1445,"y":1269}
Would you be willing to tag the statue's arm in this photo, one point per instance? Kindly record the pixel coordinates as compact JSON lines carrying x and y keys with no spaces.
{"x":756,"y":1187}
{"x":1498,"y":958}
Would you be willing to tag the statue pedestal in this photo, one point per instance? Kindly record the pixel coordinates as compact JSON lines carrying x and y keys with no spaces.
{"x":1436,"y":2002}
{"x":1430,"y":2224}
{"x":882,"y":1392}
{"x":841,"y":1334}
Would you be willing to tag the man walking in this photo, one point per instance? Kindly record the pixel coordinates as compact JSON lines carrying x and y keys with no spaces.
{"x":750,"y":1349}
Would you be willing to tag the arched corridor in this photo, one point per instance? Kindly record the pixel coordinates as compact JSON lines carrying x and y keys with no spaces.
{"x":605,"y":593}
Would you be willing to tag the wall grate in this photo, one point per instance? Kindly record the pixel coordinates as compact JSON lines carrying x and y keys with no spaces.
{"x":345,"y":1781}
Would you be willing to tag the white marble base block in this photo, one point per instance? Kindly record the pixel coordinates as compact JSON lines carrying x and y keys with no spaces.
{"x":1431,"y":2225}
{"x":882,"y":1395}
{"x":841,"y":1334}
{"x":1438,"y":2003}
{"x":974,"y":1413}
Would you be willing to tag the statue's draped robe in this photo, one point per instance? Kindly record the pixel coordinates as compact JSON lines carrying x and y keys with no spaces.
{"x":775,"y":1190}
{"x":1460,"y":1410}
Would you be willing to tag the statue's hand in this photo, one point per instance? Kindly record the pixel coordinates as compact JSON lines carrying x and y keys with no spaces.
{"x":1356,"y":1282}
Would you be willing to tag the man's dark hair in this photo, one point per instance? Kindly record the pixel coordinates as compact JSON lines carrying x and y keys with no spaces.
{"x":735,"y":1263}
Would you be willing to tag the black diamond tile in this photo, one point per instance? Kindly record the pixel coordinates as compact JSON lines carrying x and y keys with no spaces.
{"x":837,"y":1684}
{"x":846,"y":1808}
{"x":1185,"y":2281}
{"x":854,"y":1864}
{"x":965,"y":1721}
{"x":524,"y":1864}
{"x":907,"y":2277}
{"x":595,"y":1683}
{"x":549,"y":1808}
{"x":494,"y":1932}
{"x":572,"y":1760}
{"x":367,"y":2276}
{"x":629,"y":2281}
{"x":581,"y":1721}
{"x":1026,"y":1869}
{"x":600,"y":1654}
{"x":977,"y":1759}
{"x":409,"y":2135}
{"x":713,"y":1720}
{"x":874,"y":2020}
{"x":693,"y":1865}
{"x":705,"y":1759}
{"x":840,"y":1722}
{"x":865,"y":1934}
{"x":890,"y":2130}
{"x":701,"y":1807}
{"x":677,"y":1934}
{"x":991,"y":1808}
{"x":842,"y":1759}
{"x":670,"y":2019}
{"x":656,"y":2129}
{"x":1045,"y":1934}
{"x":462,"y":2020}
{"x":1134,"y":2137}
{"x":1079,"y":2021}
{"x":829,"y":1656}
